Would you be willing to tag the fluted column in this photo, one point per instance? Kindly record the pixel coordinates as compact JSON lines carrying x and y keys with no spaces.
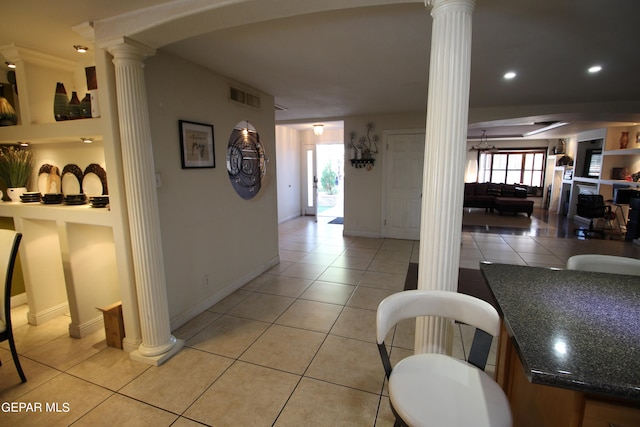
{"x":139,"y":177}
{"x":444,"y":161}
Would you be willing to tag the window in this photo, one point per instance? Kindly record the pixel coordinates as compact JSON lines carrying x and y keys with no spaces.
{"x":512,"y":167}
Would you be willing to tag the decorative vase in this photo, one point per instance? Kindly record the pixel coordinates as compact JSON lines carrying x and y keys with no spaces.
{"x":624,"y":140}
{"x":75,"y":110}
{"x":7,"y":113}
{"x":60,"y":103}
{"x":14,"y":193}
{"x":85,"y":106}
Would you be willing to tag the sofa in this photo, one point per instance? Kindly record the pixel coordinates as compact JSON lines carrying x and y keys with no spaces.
{"x":505,"y":198}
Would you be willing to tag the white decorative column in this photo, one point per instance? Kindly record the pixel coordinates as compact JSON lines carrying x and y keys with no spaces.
{"x":444,"y":161}
{"x":158,"y":344}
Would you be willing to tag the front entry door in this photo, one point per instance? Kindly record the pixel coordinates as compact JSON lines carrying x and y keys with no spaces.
{"x":311,"y":181}
{"x":403,"y":204}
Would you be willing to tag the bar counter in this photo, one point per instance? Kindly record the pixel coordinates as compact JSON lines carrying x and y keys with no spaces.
{"x":571,"y":335}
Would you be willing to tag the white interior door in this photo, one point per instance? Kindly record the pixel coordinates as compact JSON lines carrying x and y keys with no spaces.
{"x":310,"y":193}
{"x":403,"y":204}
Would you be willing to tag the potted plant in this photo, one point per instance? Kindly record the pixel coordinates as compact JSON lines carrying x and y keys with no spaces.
{"x":7,"y":113}
{"x":16,"y":165}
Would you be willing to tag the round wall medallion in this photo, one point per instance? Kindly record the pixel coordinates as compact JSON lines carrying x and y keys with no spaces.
{"x":246,"y":160}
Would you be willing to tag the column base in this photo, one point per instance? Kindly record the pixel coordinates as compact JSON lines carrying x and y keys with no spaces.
{"x":160,"y":358}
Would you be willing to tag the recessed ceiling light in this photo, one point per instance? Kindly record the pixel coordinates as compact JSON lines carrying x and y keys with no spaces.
{"x":509,"y":75}
{"x":10,"y":64}
{"x":86,"y":140}
{"x":595,"y":69}
{"x":80,"y":49}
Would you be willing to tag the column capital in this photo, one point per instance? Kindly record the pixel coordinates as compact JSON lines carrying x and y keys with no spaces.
{"x":436,"y":3}
{"x":124,"y":47}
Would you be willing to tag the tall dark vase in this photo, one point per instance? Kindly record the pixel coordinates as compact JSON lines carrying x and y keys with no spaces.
{"x":85,"y":105}
{"x":75,"y":110}
{"x":60,"y":103}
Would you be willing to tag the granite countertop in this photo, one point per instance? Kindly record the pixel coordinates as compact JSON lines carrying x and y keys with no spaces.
{"x":572,"y":329}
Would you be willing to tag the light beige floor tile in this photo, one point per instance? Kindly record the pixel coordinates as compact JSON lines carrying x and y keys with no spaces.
{"x":355,"y":263}
{"x":385,"y":417}
{"x":123,"y":411}
{"x":246,"y":395}
{"x":368,"y":242}
{"x":388,"y":266}
{"x":333,"y":293}
{"x":284,"y":286}
{"x":262,"y":307}
{"x":341,"y":275}
{"x":63,"y":353}
{"x":368,"y":298}
{"x":293,"y":256}
{"x":228,"y":336}
{"x":356,"y":323}
{"x":304,"y":271}
{"x":377,"y":279}
{"x":329,"y":249}
{"x":110,"y":368}
{"x":284,"y":348}
{"x":195,"y":325}
{"x":350,"y":363}
{"x":281,"y":266}
{"x":319,"y":258}
{"x":71,"y":397}
{"x":185,"y":422}
{"x":177,"y":383}
{"x":405,"y":334}
{"x":311,"y":315}
{"x":11,"y":387}
{"x":360,"y":252}
{"x":230,"y":301}
{"x":29,"y":337}
{"x":319,"y":404}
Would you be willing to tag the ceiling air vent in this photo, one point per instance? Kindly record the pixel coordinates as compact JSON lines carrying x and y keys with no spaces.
{"x":244,"y":97}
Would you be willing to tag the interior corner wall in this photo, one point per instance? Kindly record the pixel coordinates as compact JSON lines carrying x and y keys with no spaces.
{"x":363,"y":188}
{"x":213,"y":240}
{"x":288,"y":153}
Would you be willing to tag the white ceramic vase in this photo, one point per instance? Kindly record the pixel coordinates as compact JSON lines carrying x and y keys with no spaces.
{"x":15,"y":193}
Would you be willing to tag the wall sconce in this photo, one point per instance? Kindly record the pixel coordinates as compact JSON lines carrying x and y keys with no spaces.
{"x":363,"y":153}
{"x":318,"y":129}
{"x":10,"y":64}
{"x":80,"y":49}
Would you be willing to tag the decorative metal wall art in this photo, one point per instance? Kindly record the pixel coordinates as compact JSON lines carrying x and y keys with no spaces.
{"x":363,"y":152}
{"x":246,"y":160}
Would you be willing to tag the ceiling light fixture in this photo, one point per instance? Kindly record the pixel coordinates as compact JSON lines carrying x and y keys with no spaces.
{"x":595,"y":69}
{"x":24,"y":144}
{"x":86,"y":140}
{"x":80,"y":49}
{"x":550,"y":125}
{"x":484,"y":144}
{"x":510,"y":75}
{"x":10,"y":64}
{"x":318,"y":129}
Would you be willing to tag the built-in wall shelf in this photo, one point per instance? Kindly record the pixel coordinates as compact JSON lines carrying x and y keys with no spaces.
{"x":64,"y":131}
{"x":82,"y":214}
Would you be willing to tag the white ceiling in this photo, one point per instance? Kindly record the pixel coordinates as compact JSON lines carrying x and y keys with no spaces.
{"x":365,"y":60}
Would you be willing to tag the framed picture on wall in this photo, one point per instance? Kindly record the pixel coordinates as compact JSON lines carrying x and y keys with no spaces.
{"x":196,"y":145}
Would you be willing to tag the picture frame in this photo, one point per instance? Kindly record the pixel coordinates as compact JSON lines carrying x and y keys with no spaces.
{"x":196,"y":145}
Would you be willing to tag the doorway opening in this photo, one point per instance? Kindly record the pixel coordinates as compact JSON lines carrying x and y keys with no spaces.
{"x":330,"y":172}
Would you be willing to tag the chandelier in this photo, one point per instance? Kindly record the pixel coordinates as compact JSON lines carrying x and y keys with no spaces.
{"x":484,"y":146}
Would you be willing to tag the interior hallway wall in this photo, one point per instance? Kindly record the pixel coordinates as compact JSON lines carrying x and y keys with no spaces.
{"x":213,"y":240}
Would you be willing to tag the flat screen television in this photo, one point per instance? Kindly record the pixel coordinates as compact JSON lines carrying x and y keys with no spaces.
{"x":593,"y":163}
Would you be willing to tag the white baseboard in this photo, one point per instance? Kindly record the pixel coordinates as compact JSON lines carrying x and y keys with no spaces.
{"x":18,"y":300}
{"x":80,"y":331}
{"x":185,"y":316}
{"x":48,"y":314}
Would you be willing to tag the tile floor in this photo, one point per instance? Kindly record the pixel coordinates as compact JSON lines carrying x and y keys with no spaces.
{"x":294,"y":347}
